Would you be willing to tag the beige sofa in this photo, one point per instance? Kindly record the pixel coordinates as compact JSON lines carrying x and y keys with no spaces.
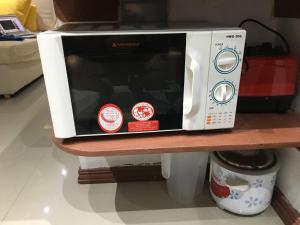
{"x":19,"y":61}
{"x":19,"y":65}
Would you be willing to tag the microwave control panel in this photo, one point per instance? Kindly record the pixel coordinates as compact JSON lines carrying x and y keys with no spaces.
{"x":224,"y":77}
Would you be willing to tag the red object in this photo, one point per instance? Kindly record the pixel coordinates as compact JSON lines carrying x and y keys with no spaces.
{"x":269,"y":76}
{"x":143,"y":126}
{"x":110,"y":118}
{"x":219,"y":190}
{"x":142,"y":111}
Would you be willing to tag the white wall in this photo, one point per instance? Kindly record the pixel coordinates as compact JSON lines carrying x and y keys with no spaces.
{"x":228,"y":12}
{"x":289,"y":176}
{"x":288,"y":179}
{"x":290,"y":28}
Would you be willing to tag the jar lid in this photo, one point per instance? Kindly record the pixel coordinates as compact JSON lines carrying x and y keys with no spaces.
{"x":251,"y":160}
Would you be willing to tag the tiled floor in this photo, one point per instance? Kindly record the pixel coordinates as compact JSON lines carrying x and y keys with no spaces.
{"x":38,"y":181}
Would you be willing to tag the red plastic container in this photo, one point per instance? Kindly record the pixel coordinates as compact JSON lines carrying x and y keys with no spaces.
{"x":269,"y":76}
{"x":268,"y":85}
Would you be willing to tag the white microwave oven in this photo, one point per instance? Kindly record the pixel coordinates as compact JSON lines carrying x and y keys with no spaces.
{"x":105,"y":80}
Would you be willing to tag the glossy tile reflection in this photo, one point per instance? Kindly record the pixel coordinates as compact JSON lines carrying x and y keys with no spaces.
{"x":39,"y":182}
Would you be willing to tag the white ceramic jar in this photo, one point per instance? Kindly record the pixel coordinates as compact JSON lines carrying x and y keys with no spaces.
{"x":244,"y":191}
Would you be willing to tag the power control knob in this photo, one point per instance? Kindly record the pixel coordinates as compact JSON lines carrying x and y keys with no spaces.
{"x":223,"y":92}
{"x":227,"y":60}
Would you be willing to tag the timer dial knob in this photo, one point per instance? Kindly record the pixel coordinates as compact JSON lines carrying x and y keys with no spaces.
{"x":223,"y":92}
{"x":226,"y":61}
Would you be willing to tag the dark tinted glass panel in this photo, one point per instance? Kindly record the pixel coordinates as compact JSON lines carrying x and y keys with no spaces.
{"x":124,"y":70}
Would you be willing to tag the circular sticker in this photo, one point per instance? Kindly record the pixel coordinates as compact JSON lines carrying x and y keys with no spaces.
{"x":142,"y":111}
{"x":110,"y":118}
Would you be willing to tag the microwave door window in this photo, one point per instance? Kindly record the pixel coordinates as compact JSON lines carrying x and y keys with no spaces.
{"x":124,"y":71}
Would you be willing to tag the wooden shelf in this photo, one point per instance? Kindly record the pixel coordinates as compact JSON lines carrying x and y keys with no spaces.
{"x":252,"y":131}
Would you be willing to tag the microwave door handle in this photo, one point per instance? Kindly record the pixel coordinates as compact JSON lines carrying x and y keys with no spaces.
{"x":194,"y":99}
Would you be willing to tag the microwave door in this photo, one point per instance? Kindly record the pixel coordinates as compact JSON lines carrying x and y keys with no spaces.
{"x":125,"y":70}
{"x":56,"y":80}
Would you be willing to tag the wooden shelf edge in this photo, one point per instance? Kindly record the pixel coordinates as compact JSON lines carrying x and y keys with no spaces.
{"x":257,"y":131}
{"x":120,"y":174}
{"x":176,"y":149}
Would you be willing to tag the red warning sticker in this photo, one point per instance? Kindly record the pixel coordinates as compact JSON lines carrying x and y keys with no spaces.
{"x":143,"y":126}
{"x":142,"y":111}
{"x":110,"y":118}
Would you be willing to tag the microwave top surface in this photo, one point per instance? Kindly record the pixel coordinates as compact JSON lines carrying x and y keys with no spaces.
{"x":88,"y":27}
